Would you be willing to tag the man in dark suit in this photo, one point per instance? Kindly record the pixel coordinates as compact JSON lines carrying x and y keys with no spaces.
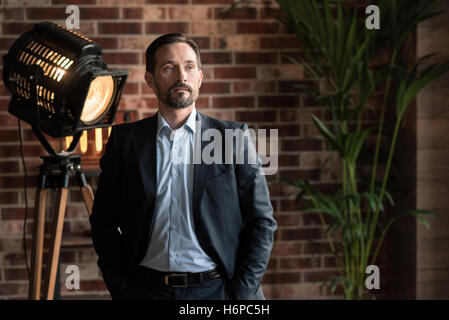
{"x":180,"y":230}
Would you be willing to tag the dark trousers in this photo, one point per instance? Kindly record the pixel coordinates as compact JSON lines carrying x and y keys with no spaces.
{"x":142,"y":288}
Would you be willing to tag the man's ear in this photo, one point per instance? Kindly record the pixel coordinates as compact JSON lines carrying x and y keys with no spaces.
{"x":201,"y":79}
{"x":149,"y":80}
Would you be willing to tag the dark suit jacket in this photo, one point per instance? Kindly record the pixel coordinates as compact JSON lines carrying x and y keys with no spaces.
{"x":232,"y":211}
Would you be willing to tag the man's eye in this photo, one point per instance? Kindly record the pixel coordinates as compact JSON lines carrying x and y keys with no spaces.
{"x":169,"y":68}
{"x":190,"y":67}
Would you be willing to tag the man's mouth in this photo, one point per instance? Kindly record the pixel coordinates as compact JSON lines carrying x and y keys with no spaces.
{"x":181,"y":89}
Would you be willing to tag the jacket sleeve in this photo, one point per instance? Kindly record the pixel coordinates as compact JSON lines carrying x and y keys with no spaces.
{"x":104,"y":219}
{"x":257,"y":236}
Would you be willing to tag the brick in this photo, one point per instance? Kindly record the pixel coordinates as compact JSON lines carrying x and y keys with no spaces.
{"x":300,"y":174}
{"x":121,"y":58}
{"x":132,"y":13}
{"x":120,"y":2}
{"x":291,"y":205}
{"x":286,"y":248}
{"x":9,"y":166}
{"x":167,"y":1}
{"x":299,"y":263}
{"x":287,"y":160}
{"x":16,"y":27}
{"x":87,"y":255}
{"x":223,"y":115}
{"x":12,"y":14}
{"x":67,"y":256}
{"x":133,"y":103}
{"x":277,"y":101}
{"x":329,"y":262}
{"x":237,"y":43}
{"x":10,"y":182}
{"x":212,"y":28}
{"x":46,"y":13}
{"x":237,"y":13}
{"x":11,"y":227}
{"x":9,"y":198}
{"x":280,"y":72}
{"x":92,"y":285}
{"x":279,"y":43}
{"x":309,"y":101}
{"x":80,"y":226}
{"x":256,"y":57}
{"x":320,"y":247}
{"x":12,"y":135}
{"x":255,"y":116}
{"x":12,"y":274}
{"x":202,"y":42}
{"x":87,"y":28}
{"x":254,"y":87}
{"x":24,"y":3}
{"x":212,"y":1}
{"x":136,"y":43}
{"x":216,"y":57}
{"x":165,"y":27}
{"x":69,"y":2}
{"x":287,"y":219}
{"x":234,"y":73}
{"x":202,"y":103}
{"x":4,"y":104}
{"x":315,"y":276}
{"x":96,"y":13}
{"x":6,"y":44}
{"x":293,"y":86}
{"x":16,"y":213}
{"x":215,"y":87}
{"x":190,"y":13}
{"x":131,"y":88}
{"x":300,"y":234}
{"x":120,"y":28}
{"x":257,"y":27}
{"x":14,"y":288}
{"x":289,"y":130}
{"x":301,"y":145}
{"x":233,"y":102}
{"x":313,"y":219}
{"x":106,"y":43}
{"x":154,"y":13}
{"x":281,"y":277}
{"x":268,"y":13}
{"x":28,"y":150}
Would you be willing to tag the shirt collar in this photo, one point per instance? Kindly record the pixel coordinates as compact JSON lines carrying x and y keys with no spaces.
{"x":190,"y":122}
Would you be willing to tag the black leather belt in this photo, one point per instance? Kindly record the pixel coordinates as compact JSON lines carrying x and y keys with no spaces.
{"x":177,"y":279}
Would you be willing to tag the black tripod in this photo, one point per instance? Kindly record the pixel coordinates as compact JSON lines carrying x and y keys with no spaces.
{"x":54,"y":173}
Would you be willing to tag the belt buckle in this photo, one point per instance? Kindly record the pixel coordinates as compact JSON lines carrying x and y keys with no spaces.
{"x":179,"y":276}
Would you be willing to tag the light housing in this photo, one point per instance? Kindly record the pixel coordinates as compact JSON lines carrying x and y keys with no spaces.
{"x":59,"y":82}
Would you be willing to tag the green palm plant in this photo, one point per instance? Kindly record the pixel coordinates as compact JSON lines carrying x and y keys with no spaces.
{"x":339,"y":53}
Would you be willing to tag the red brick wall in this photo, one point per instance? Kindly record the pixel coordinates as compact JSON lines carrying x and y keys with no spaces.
{"x":247,"y":78}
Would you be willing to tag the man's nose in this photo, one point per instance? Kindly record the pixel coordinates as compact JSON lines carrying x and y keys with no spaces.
{"x":182,"y":75}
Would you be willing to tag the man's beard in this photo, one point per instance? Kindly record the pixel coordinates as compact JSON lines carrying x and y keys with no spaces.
{"x":178,"y":100}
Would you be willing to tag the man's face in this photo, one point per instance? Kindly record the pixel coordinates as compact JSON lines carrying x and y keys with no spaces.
{"x":177,"y":77}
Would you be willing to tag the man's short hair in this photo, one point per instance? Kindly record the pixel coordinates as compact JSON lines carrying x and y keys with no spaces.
{"x":168,"y":39}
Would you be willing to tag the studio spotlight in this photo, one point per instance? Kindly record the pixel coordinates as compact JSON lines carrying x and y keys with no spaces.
{"x":60,"y":84}
{"x":61,"y":87}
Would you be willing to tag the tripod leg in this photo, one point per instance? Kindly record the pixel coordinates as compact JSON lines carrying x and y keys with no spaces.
{"x":34,"y":290}
{"x":55,"y":244}
{"x":88,"y":197}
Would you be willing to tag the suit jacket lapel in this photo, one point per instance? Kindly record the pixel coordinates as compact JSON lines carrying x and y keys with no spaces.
{"x":201,"y":169}
{"x":144,"y":143}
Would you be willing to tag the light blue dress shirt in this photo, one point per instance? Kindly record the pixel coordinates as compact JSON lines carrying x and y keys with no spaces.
{"x":173,"y":244}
